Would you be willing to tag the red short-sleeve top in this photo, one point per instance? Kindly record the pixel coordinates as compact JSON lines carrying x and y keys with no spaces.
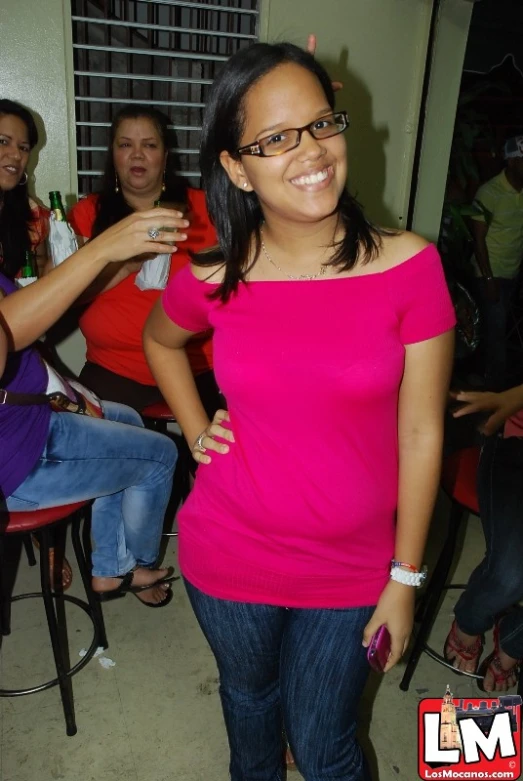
{"x":113,"y":323}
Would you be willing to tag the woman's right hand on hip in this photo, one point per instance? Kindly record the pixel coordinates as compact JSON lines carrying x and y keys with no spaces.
{"x":206,"y":441}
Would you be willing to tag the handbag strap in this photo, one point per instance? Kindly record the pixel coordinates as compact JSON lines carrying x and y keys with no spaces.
{"x":22,"y":399}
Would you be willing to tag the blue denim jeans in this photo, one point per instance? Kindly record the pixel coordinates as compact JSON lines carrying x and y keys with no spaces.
{"x":497,"y":583}
{"x":305,"y":668}
{"x":127,"y":467}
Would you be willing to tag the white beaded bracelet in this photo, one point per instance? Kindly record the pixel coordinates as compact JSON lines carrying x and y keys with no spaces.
{"x":407,"y":578}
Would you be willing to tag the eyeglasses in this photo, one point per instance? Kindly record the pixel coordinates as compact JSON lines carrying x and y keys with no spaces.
{"x":285,"y":140}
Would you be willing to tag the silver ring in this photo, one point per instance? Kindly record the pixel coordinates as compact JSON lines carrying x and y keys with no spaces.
{"x":198,"y":445}
{"x":153,"y":233}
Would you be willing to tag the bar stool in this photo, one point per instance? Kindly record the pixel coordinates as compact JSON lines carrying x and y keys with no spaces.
{"x":156,"y":417}
{"x":458,"y":480}
{"x":49,"y":527}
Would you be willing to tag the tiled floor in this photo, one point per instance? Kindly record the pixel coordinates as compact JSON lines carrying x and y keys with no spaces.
{"x":155,"y":714}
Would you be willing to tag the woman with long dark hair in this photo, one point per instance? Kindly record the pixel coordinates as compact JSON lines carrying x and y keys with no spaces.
{"x":305,"y":530}
{"x":23,"y":223}
{"x":139,"y":171}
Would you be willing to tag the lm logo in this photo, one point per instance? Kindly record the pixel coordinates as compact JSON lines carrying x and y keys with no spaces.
{"x":470,"y":738}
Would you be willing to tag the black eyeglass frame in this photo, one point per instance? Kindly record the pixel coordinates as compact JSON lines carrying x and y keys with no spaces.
{"x":255,"y":148}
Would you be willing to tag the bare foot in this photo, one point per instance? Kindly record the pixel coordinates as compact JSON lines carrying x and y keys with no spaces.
{"x":501,"y":673}
{"x":141,"y":577}
{"x":462,"y":650}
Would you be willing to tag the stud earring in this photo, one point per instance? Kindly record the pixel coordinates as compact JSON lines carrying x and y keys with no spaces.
{"x":245,"y":185}
{"x":163,"y":183}
{"x":116,"y":184}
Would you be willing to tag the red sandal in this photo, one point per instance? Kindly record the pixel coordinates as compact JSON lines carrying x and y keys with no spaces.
{"x":493,"y":662}
{"x":467,"y":653}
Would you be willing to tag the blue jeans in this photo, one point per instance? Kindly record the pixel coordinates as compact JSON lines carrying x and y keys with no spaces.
{"x":305,"y":668}
{"x":497,"y":583}
{"x":115,"y":459}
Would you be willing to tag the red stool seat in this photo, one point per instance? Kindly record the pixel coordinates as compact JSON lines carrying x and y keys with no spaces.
{"x":159,"y":411}
{"x":28,"y":521}
{"x":459,"y":475}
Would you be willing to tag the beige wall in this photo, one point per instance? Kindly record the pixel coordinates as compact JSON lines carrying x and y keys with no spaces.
{"x":34,"y":46}
{"x":378,"y":49}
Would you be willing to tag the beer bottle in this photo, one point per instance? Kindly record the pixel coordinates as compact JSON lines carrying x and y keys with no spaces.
{"x":57,"y":206}
{"x":29,"y":267}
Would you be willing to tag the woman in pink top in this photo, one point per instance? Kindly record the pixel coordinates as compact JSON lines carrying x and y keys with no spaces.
{"x":496,"y":585}
{"x":329,"y":337}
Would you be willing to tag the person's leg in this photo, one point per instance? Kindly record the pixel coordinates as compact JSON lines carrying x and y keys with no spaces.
{"x":113,"y":387}
{"x":128,"y":467}
{"x":246,"y":640}
{"x":511,"y":633}
{"x":497,"y":582}
{"x":323,"y":672}
{"x":495,"y":318}
{"x":500,"y":669}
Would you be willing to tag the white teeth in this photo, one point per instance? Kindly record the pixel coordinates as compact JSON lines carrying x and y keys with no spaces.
{"x":312,"y":178}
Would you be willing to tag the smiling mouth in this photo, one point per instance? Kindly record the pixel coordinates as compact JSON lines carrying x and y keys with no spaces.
{"x":315,"y":178}
{"x":11,"y":169}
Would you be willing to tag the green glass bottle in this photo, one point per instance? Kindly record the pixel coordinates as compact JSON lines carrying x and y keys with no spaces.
{"x":29,"y":267}
{"x":57,"y":206}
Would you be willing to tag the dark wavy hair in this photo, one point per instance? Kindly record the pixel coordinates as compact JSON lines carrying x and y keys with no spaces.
{"x":15,"y":215}
{"x":112,"y":206}
{"x":236,"y":214}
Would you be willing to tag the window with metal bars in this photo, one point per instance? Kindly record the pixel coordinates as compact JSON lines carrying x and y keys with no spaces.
{"x":164,"y":53}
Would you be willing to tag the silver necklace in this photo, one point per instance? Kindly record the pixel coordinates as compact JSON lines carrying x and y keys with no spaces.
{"x":320,"y":273}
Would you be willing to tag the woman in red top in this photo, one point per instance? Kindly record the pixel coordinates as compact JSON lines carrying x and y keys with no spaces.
{"x":139,"y":171}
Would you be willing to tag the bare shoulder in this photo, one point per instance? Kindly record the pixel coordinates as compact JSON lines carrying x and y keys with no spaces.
{"x":398,"y":247}
{"x":212,"y":273}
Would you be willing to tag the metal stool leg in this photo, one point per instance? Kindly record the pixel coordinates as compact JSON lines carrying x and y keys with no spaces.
{"x":433,"y":594}
{"x":85,"y":572}
{"x":10,"y":555}
{"x":58,"y":633}
{"x":5,"y":596}
{"x":29,"y":550}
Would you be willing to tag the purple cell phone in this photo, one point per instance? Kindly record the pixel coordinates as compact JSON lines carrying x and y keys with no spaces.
{"x":379,"y":649}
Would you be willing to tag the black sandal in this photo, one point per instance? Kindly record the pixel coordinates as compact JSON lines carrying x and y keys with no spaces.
{"x":126,"y":587}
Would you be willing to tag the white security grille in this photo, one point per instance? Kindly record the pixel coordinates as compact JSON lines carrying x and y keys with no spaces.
{"x":164,"y":53}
